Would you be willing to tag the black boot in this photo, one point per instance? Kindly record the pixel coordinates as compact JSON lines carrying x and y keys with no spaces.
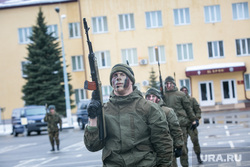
{"x":199,"y":158}
{"x":58,"y":147}
{"x":53,"y":149}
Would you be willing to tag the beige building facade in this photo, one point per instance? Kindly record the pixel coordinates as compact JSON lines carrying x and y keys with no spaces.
{"x":204,"y":45}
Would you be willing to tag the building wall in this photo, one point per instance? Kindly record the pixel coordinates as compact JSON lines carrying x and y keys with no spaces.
{"x":197,"y":32}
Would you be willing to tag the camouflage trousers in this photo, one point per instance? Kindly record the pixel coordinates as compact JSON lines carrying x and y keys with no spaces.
{"x":195,"y":140}
{"x":54,"y":136}
{"x":184,"y":155}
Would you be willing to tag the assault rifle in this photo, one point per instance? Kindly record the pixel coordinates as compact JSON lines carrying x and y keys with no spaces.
{"x":96,"y":84}
{"x":161,"y":86}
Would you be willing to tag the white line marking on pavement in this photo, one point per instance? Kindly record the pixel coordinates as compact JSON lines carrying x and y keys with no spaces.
{"x":13,"y":147}
{"x":227,"y":133}
{"x":204,"y":144}
{"x":44,"y":162}
{"x":231,"y":144}
{"x":79,"y":155}
{"x":225,"y":126}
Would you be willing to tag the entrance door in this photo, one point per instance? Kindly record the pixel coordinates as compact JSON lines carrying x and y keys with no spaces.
{"x":228,"y":92}
{"x":206,"y":93}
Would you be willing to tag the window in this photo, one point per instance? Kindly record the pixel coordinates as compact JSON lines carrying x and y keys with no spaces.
{"x":24,"y":34}
{"x":23,"y":67}
{"x":240,"y":11}
{"x":181,"y":16}
{"x":212,"y":14}
{"x":156,"y":53}
{"x":100,"y":24}
{"x":80,"y":94}
{"x":215,"y":49}
{"x":126,"y":22}
{"x":153,"y":19}
{"x":185,"y":52}
{"x":77,"y":63}
{"x":103,"y":59}
{"x":186,"y":82}
{"x":243,"y":47}
{"x":106,"y":91}
{"x":74,"y":30}
{"x":130,"y":55}
{"x":53,"y":29}
{"x":247,"y":81}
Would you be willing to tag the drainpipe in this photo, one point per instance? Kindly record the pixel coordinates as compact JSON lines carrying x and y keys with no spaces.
{"x":84,"y":57}
{"x":245,"y":85}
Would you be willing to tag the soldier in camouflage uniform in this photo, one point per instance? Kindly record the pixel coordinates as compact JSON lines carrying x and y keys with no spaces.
{"x":137,"y":130}
{"x":194,"y":133}
{"x":154,"y":95}
{"x":179,"y":102}
{"x":53,"y":119}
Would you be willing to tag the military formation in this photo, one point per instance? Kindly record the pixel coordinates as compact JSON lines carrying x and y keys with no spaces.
{"x":148,"y":131}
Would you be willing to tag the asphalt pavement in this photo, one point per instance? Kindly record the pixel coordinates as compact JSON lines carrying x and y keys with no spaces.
{"x":223,"y":136}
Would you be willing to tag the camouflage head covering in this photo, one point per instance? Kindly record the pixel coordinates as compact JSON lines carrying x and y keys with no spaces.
{"x":183,"y":88}
{"x":52,"y":107}
{"x":170,"y":79}
{"x":123,"y":68}
{"x":153,"y":91}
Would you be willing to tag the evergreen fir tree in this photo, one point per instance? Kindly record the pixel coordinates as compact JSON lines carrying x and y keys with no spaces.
{"x":45,"y":83}
{"x":152,"y":80}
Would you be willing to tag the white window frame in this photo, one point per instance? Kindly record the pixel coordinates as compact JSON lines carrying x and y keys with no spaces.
{"x":75,"y":28}
{"x":186,"y":82}
{"x":130,"y":54}
{"x":126,"y":22}
{"x":80,"y":94}
{"x":245,"y":42}
{"x":240,"y":11}
{"x":181,"y":16}
{"x":23,"y":64}
{"x":53,"y":29}
{"x":185,"y":49}
{"x":106,"y":56}
{"x":77,"y":63}
{"x":216,"y":49}
{"x":156,"y":51}
{"x":212,"y":14}
{"x":99,"y":24}
{"x":24,"y":34}
{"x":247,"y":81}
{"x":153,"y":19}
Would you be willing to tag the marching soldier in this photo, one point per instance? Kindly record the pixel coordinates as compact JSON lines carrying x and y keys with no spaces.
{"x":154,"y":95}
{"x":179,"y":102}
{"x":194,"y":133}
{"x":137,"y":132}
{"x":53,"y":120}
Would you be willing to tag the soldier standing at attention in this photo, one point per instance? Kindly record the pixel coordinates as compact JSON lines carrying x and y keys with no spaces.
{"x":178,"y":101}
{"x":53,"y":120}
{"x":194,"y":133}
{"x":137,"y":132}
{"x":154,"y":95}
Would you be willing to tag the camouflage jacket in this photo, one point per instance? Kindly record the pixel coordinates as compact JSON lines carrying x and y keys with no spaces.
{"x":53,"y":120}
{"x":137,"y":133}
{"x":173,"y":124}
{"x":178,"y":101}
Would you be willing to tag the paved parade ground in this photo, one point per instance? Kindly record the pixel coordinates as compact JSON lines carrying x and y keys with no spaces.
{"x":224,"y":141}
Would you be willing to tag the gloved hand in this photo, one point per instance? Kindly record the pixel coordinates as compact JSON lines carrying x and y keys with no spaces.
{"x":194,"y":125}
{"x":178,"y":152}
{"x":94,"y":108}
{"x":197,"y":122}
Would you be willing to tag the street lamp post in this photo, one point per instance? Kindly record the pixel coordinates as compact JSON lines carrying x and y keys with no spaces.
{"x":65,"y":76}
